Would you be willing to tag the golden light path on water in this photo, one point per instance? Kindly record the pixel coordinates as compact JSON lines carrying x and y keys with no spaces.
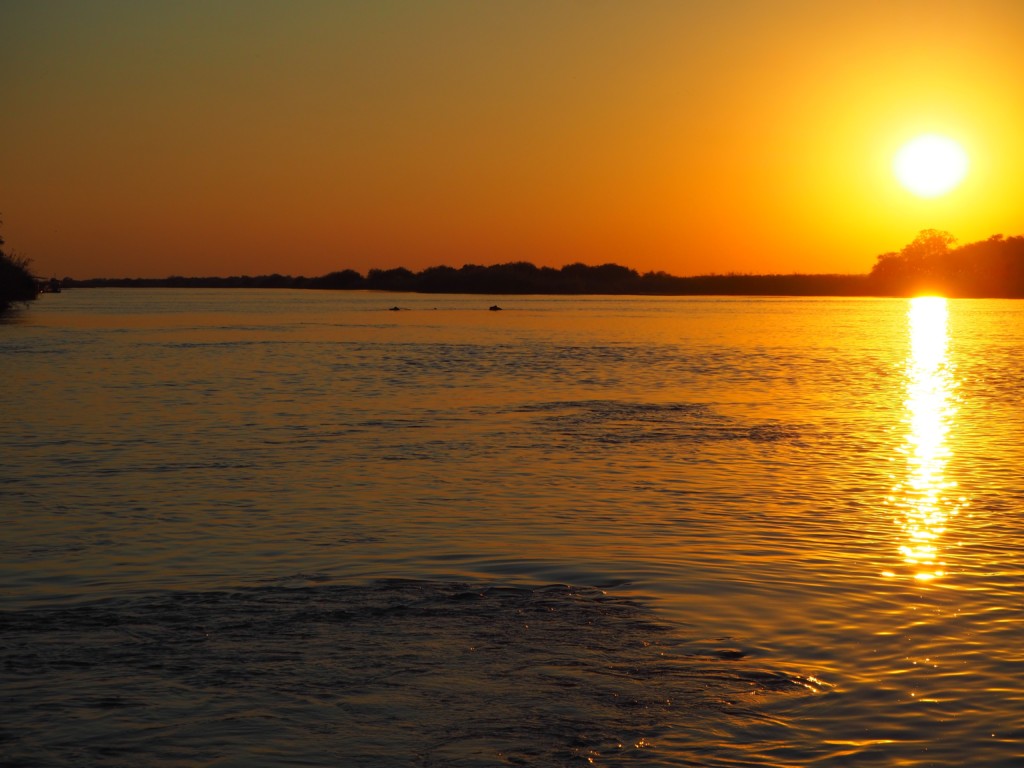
{"x":924,"y":499}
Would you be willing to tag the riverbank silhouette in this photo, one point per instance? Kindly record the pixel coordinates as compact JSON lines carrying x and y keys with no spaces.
{"x":992,"y":268}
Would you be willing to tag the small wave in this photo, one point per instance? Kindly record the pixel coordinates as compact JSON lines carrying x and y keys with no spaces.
{"x":623,"y":422}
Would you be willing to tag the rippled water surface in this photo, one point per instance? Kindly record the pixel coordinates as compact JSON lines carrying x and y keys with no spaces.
{"x":297,"y":528}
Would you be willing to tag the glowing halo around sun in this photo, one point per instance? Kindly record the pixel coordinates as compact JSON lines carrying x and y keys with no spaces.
{"x":930,"y":165}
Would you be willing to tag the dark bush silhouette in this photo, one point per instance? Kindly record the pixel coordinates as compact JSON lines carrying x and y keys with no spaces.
{"x":16,"y":282}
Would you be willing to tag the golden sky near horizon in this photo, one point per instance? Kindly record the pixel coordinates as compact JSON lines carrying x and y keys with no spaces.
{"x":250,"y":136}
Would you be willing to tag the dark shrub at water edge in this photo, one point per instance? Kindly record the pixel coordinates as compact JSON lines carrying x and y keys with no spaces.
{"x":16,"y":283}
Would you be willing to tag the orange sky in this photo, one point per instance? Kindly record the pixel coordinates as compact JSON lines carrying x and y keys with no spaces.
{"x":250,"y":136}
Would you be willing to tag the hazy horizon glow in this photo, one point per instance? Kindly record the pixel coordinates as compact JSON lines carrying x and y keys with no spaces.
{"x":256,"y":137}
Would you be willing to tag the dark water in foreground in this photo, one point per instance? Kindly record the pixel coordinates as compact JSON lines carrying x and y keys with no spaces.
{"x":291,"y":528}
{"x":397,"y":673}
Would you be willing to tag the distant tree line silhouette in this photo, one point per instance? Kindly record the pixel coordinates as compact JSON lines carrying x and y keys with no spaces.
{"x":931,"y":263}
{"x":518,"y":278}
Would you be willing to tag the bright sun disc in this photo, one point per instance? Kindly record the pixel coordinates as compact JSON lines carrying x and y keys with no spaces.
{"x":930,"y":165}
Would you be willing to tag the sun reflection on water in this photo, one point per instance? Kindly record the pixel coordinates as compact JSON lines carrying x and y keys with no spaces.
{"x":924,"y":499}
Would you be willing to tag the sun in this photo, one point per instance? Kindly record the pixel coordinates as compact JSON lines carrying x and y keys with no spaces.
{"x":930,"y":165}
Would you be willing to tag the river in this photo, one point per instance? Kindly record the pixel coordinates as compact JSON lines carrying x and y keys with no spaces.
{"x":268,"y":528}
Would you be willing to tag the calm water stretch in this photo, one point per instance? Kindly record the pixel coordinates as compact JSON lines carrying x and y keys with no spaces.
{"x":278,"y":528}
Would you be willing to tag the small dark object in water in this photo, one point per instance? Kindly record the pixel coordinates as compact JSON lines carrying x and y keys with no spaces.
{"x":395,"y":309}
{"x":730,"y":653}
{"x":495,"y":308}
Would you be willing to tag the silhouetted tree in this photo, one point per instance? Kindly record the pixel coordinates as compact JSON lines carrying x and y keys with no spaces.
{"x":16,"y":282}
{"x":987,"y":268}
{"x":920,"y":265}
{"x":346,"y":279}
{"x":992,"y":268}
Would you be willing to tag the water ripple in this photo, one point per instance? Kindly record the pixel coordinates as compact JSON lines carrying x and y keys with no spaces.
{"x":393,"y":673}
